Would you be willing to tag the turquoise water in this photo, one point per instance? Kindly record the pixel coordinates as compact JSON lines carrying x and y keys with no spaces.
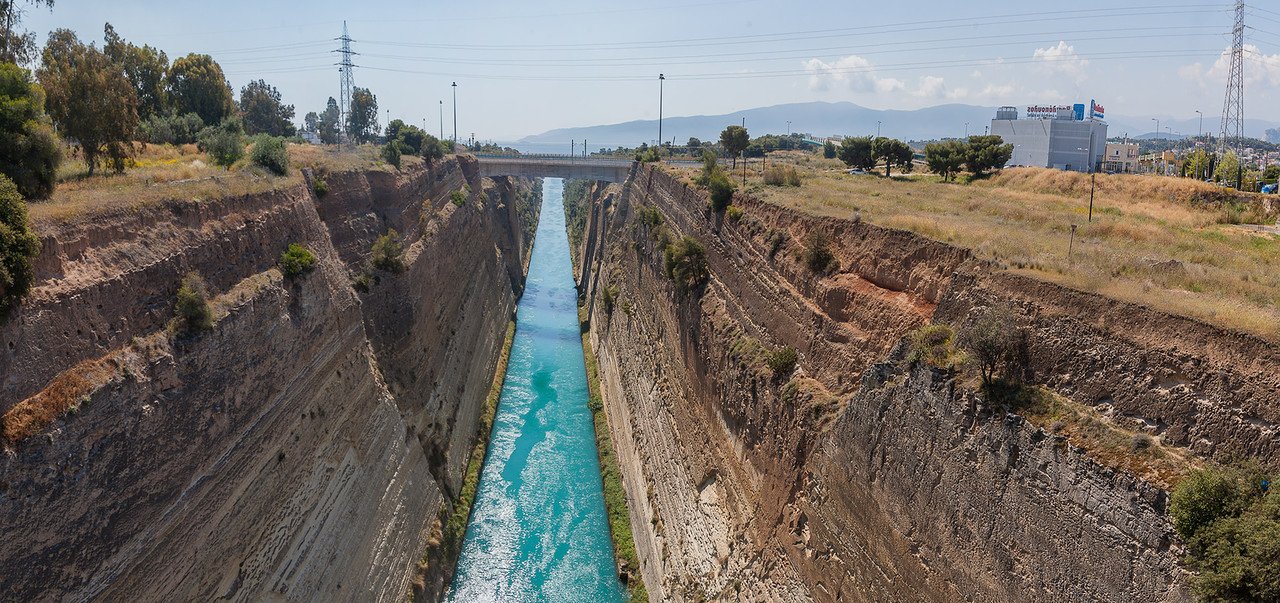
{"x":538,"y":530}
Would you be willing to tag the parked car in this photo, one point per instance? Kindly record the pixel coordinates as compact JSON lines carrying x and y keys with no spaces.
{"x":857,"y":172}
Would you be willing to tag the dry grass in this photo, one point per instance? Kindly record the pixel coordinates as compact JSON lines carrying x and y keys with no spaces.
{"x":1154,"y":241}
{"x":159,"y":173}
{"x":64,"y":394}
{"x":1106,"y":440}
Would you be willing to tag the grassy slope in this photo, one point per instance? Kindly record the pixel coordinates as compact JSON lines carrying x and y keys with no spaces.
{"x":1153,"y":240}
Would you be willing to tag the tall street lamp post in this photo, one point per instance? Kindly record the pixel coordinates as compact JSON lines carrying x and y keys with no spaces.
{"x":661,"y":79}
{"x":455,"y":112}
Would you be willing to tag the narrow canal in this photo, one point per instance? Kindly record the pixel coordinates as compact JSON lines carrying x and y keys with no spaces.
{"x":538,"y":529}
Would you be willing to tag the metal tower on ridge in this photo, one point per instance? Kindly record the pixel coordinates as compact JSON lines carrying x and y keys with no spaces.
{"x":346,"y":77}
{"x":1233,"y":105}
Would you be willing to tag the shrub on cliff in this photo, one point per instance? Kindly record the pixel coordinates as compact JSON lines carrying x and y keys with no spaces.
{"x":935,"y":345}
{"x":721,"y":189}
{"x":999,"y":347}
{"x":391,"y":153}
{"x":458,"y":197}
{"x":270,"y":153}
{"x":817,"y":252}
{"x":686,"y":263}
{"x":321,"y":188}
{"x":783,"y":361}
{"x":18,"y":247}
{"x":192,"y":307}
{"x":388,"y":255}
{"x":297,"y":260}
{"x":1230,"y":520}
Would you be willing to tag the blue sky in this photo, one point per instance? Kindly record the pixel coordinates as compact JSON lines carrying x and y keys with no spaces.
{"x":525,"y":67}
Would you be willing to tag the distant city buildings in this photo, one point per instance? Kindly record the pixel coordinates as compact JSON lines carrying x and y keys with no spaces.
{"x":1121,"y":158}
{"x":1054,"y":136}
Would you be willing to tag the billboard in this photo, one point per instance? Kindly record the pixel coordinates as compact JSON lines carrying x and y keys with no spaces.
{"x":1096,"y":111}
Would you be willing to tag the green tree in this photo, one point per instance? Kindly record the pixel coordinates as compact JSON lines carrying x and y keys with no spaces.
{"x":172,"y":129}
{"x":262,"y":111}
{"x":735,"y":140}
{"x":946,"y":157}
{"x":1272,"y":173}
{"x":329,"y":125}
{"x":685,"y":262}
{"x":18,"y":247}
{"x":362,"y":123}
{"x":192,"y":306}
{"x":146,"y":68}
{"x":693,"y":144}
{"x":296,"y":260}
{"x":893,"y":152}
{"x":987,"y":153}
{"x":197,"y":85}
{"x":1228,"y":168}
{"x":29,"y":151}
{"x":15,"y":47}
{"x":311,"y":122}
{"x":1197,"y":164}
{"x":90,"y":99}
{"x":432,"y":149}
{"x":857,"y":152}
{"x":391,"y":153}
{"x":829,"y":150}
{"x":224,"y":142}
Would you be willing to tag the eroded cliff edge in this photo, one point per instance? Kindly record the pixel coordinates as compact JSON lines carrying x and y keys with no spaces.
{"x":860,"y":477}
{"x":301,"y":449}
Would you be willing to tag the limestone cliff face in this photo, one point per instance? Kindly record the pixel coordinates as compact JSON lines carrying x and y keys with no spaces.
{"x":858,"y":478}
{"x":302,"y":448}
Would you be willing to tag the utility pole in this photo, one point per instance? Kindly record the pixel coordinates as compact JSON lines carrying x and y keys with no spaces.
{"x":1161,"y":159}
{"x":573,"y":151}
{"x":455,"y":112}
{"x":966,"y":129}
{"x":1233,"y":103}
{"x":441,"y":119}
{"x":346,"y":78}
{"x":661,"y":79}
{"x":788,"y":127}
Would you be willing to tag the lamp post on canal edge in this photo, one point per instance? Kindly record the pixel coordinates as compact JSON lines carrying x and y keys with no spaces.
{"x":455,"y":113}
{"x":441,"y":119}
{"x":661,"y":78}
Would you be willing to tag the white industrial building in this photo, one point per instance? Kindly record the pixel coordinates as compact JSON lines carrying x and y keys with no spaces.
{"x":1054,"y":136}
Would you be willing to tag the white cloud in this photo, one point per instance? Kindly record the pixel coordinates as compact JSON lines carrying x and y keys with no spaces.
{"x":853,"y":72}
{"x":931,"y":86}
{"x":1062,"y":59}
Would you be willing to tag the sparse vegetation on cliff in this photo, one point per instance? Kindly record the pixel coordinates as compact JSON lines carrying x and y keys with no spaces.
{"x":192,"y":306}
{"x":447,"y":537}
{"x":685,"y":263}
{"x":1229,"y":517}
{"x":459,"y":197}
{"x":936,"y":346}
{"x":297,"y":260}
{"x":817,"y":252}
{"x":615,"y":496}
{"x":783,"y":361}
{"x":388,"y":254}
{"x":577,"y":207}
{"x":999,"y":348}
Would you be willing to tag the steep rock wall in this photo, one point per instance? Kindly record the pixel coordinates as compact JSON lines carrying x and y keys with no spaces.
{"x":830,"y":485}
{"x":281,"y":454}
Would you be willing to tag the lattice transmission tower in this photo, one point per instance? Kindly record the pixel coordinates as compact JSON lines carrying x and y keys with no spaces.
{"x":346,"y":77}
{"x":1233,"y":105}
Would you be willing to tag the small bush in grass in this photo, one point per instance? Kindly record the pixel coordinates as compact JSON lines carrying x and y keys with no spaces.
{"x":224,"y":142}
{"x":458,"y":197}
{"x":935,"y":345}
{"x":391,"y":153}
{"x":297,"y":260}
{"x":321,"y":188}
{"x":686,"y":263}
{"x":270,"y":153}
{"x":388,"y":254}
{"x":817,"y":252}
{"x":782,"y":361}
{"x":192,"y":307}
{"x":780,"y":175}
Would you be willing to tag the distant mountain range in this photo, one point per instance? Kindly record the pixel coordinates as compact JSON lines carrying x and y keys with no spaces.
{"x":826,"y":119}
